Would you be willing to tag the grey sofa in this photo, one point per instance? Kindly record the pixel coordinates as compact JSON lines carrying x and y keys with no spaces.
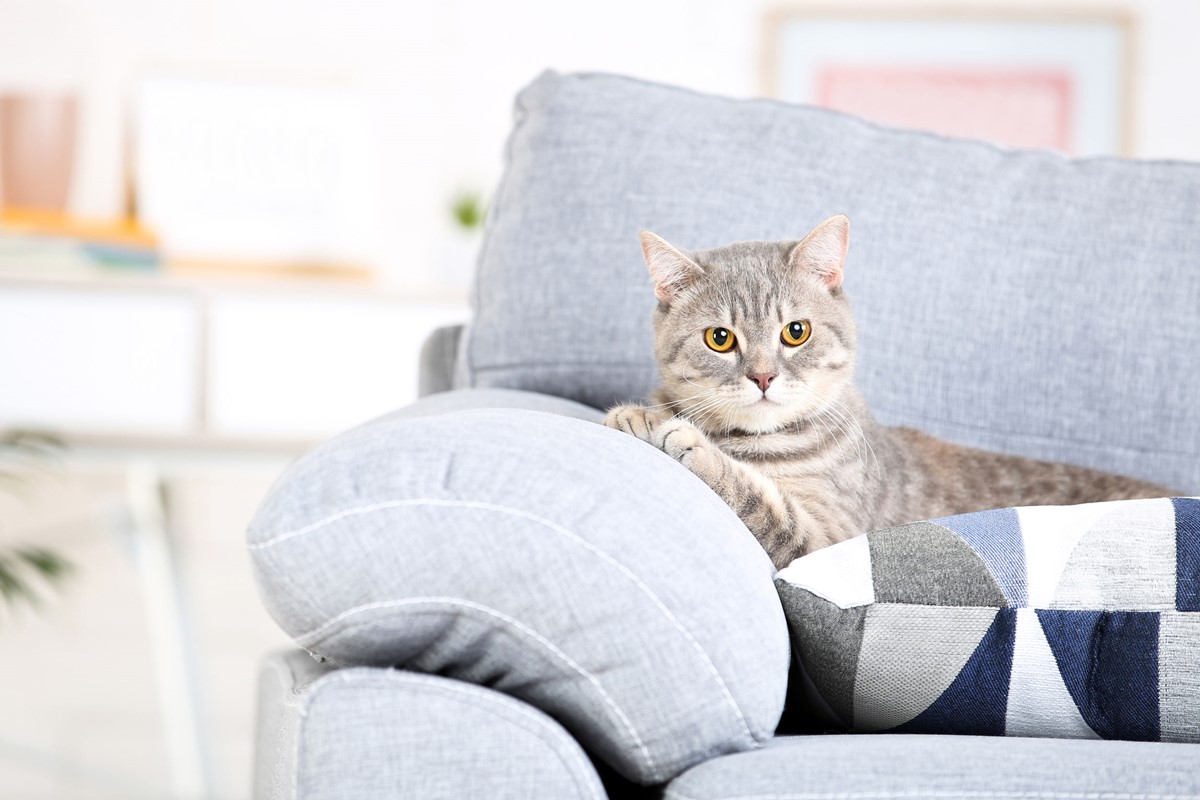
{"x":500,"y":598}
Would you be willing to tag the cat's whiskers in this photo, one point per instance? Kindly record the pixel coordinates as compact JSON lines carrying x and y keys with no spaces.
{"x":839,"y":425}
{"x":693,"y":383}
{"x":703,"y":389}
{"x":677,"y":401}
{"x":681,"y":404}
{"x":851,"y":429}
{"x":853,"y":434}
{"x":700,"y":406}
{"x":844,"y":422}
{"x":709,"y":412}
{"x":724,"y":407}
{"x":701,"y":413}
{"x":846,"y":414}
{"x":729,"y":423}
{"x":837,"y":443}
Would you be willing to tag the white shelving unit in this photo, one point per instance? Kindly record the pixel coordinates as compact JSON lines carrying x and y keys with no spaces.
{"x":153,"y":376}
{"x":160,"y":361}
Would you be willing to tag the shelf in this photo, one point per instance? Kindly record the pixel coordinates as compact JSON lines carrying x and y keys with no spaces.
{"x":222,"y":282}
{"x":168,"y":362}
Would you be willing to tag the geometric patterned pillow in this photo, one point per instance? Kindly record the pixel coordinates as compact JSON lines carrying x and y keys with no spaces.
{"x":1062,"y":621}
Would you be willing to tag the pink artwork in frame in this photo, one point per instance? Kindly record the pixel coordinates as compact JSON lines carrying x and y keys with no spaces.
{"x":1058,"y":78}
{"x":1014,"y":107}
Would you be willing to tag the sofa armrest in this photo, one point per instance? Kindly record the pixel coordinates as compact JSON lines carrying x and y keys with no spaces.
{"x":545,"y":556}
{"x":378,"y":734}
{"x":485,"y":399}
{"x":439,"y":354}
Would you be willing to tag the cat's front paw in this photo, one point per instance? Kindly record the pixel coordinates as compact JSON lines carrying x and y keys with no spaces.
{"x":681,"y":440}
{"x":676,"y":437}
{"x":637,"y":421}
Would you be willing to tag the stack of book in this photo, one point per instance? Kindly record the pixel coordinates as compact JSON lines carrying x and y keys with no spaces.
{"x":44,"y":242}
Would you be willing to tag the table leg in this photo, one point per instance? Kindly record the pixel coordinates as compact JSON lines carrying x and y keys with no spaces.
{"x":174,"y":661}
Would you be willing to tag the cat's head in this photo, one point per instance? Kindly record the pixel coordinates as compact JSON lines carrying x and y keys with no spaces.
{"x":754,"y":335}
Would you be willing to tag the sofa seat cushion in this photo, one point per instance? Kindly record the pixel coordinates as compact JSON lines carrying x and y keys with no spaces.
{"x":1016,"y":301}
{"x":542,"y":555}
{"x":1073,"y":622}
{"x":380,"y":734}
{"x":896,"y":767}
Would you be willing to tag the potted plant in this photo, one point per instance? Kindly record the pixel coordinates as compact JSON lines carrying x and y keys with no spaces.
{"x":461,"y":248}
{"x":26,"y":570}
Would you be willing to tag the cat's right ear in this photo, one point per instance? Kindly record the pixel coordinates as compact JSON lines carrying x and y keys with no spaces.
{"x":670,"y":269}
{"x":823,"y":251}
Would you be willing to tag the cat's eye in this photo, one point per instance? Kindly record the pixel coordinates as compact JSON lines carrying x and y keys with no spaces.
{"x":796,"y":333}
{"x":719,"y":339}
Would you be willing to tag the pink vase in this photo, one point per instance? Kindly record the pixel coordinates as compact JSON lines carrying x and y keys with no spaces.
{"x":37,"y":151}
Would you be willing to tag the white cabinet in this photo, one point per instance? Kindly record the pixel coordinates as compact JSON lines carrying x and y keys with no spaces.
{"x":99,"y":361}
{"x":151,"y":357}
{"x":309,"y":366}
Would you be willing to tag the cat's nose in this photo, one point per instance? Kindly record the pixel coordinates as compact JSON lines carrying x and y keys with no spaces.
{"x":763,"y":379}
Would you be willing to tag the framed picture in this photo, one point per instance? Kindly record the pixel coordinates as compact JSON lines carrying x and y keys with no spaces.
{"x":1038,"y":78}
{"x":255,"y":176}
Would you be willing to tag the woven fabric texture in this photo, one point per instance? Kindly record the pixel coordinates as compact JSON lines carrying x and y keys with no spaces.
{"x":378,"y":734}
{"x":971,"y":268}
{"x":541,"y":555}
{"x":914,"y":767}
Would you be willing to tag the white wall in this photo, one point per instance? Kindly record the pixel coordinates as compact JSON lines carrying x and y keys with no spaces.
{"x":442,"y":74}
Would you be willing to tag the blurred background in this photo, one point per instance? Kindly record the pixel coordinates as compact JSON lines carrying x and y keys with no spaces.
{"x":226,"y":227}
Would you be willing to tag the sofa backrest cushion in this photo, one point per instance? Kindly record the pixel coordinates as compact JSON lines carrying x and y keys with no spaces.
{"x":1018,"y":301}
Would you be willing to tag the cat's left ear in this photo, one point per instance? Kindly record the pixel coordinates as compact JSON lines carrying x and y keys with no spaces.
{"x":670,"y":269}
{"x":823,"y":251}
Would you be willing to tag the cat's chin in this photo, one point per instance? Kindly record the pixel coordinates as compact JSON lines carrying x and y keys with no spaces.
{"x":763,"y":416}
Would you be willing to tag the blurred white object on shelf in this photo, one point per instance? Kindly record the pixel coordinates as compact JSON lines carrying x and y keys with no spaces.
{"x":239,"y":172}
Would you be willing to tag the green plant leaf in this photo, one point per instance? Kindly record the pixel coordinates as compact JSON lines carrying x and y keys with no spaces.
{"x":29,"y":443}
{"x":20,"y":565}
{"x":24,"y":567}
{"x":47,"y":563}
{"x":468,"y":210}
{"x":13,"y":586}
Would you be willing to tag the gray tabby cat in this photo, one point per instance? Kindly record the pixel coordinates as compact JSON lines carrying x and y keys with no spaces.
{"x":756,"y":346}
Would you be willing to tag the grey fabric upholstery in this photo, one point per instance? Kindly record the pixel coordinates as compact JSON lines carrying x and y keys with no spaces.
{"x":556,"y":560}
{"x":383,"y":734}
{"x":906,"y":767}
{"x":1018,"y":301}
{"x":436,"y":366}
{"x":485,"y":399}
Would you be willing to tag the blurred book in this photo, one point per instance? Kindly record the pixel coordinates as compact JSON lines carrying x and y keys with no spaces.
{"x":47,"y":242}
{"x":37,"y":222}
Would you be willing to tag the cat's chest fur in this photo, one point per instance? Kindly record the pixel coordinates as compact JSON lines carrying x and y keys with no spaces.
{"x":846,"y":458}
{"x":803,"y":451}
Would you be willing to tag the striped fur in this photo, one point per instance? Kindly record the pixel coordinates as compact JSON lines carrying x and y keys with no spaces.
{"x":804,"y":463}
